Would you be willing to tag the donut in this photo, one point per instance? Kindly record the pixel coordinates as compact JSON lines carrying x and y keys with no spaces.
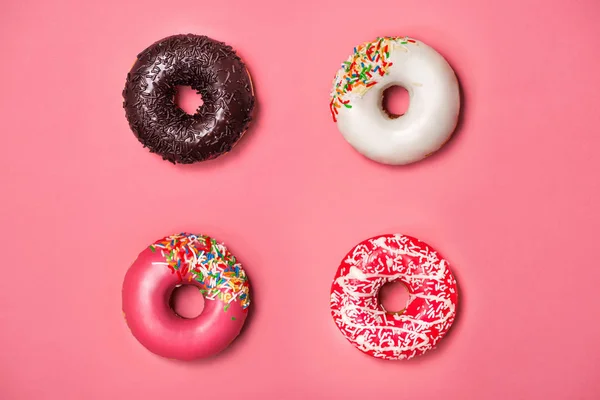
{"x":185,"y":259}
{"x":357,"y":96}
{"x":430,"y":309}
{"x":211,"y":68}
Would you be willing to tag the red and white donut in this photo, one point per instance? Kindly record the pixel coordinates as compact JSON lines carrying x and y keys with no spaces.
{"x":429,"y":312}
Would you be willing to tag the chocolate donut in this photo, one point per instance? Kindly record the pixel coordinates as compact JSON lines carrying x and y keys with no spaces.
{"x":211,"y":68}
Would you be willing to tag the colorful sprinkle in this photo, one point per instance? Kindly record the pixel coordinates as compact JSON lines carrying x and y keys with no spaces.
{"x":207,"y":262}
{"x":357,"y":74}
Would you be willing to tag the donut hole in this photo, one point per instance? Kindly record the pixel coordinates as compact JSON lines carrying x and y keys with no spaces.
{"x":395,"y":101}
{"x":187,"y":301}
{"x":393,"y":297}
{"x":188,"y":99}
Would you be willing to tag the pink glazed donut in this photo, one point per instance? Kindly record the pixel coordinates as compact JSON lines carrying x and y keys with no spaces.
{"x":429,"y":312}
{"x":185,"y":259}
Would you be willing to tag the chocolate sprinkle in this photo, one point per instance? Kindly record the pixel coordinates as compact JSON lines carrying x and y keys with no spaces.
{"x":211,"y":68}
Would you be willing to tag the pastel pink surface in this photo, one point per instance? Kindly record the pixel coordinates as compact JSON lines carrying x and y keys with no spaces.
{"x":147,"y":289}
{"x":512,"y":201}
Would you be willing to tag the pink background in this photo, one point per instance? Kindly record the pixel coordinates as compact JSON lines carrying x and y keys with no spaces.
{"x":512,"y":201}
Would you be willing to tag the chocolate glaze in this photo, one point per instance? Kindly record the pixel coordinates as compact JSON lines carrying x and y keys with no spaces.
{"x":212,"y":69}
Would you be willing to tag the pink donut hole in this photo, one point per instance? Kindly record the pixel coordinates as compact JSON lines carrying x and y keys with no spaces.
{"x":187,"y":301}
{"x":147,"y":306}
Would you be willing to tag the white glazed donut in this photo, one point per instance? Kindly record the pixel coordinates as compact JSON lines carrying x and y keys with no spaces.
{"x":356,"y":100}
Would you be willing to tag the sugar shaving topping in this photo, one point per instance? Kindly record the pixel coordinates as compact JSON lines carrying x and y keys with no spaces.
{"x":430,"y":310}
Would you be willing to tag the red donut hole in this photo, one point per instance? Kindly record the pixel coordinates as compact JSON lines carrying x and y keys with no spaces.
{"x":188,"y":99}
{"x":393,"y":296}
{"x":395,"y":101}
{"x":187,"y":301}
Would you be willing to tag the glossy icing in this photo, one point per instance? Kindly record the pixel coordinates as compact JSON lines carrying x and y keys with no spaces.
{"x":356,"y":100}
{"x":429,"y":312}
{"x":177,"y":260}
{"x":211,"y":68}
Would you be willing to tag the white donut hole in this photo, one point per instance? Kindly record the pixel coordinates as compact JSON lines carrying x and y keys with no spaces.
{"x":395,"y":101}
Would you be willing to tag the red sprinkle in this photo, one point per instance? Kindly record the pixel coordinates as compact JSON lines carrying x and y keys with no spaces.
{"x":332,"y":111}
